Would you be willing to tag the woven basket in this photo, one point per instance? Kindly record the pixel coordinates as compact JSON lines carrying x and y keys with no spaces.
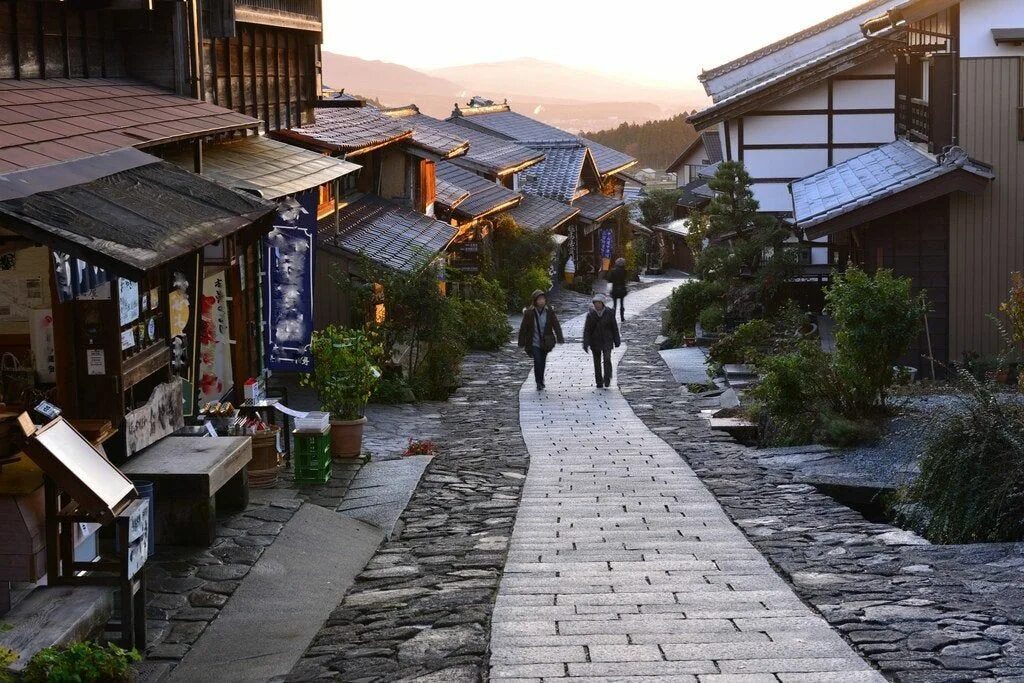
{"x":266,"y":459}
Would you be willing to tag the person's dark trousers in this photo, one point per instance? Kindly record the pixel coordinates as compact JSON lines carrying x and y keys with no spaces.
{"x":604,"y":355}
{"x":540,"y":361}
{"x":619,"y":304}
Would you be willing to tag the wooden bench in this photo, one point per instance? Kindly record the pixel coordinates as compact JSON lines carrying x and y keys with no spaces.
{"x":192,"y":476}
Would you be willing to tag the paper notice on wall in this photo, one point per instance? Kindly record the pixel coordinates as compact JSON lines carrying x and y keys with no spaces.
{"x":95,"y":362}
{"x":128,"y":297}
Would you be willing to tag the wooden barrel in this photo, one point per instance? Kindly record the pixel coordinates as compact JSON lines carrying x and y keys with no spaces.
{"x":266,"y":460}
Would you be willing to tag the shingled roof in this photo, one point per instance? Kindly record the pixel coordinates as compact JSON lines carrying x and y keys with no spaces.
{"x":500,"y":119}
{"x":268,"y":167}
{"x":558,"y":177}
{"x":388,"y":234}
{"x":446,"y":143}
{"x":539,"y":213}
{"x":485,"y":196}
{"x":349,"y":130}
{"x":820,"y":200}
{"x":595,"y":207}
{"x":449,"y":195}
{"x":49,"y":121}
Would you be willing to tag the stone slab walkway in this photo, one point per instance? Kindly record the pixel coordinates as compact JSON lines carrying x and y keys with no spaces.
{"x":623,"y":566}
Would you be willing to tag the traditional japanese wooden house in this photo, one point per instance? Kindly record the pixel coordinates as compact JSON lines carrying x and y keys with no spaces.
{"x":801,"y":104}
{"x":942,"y":204}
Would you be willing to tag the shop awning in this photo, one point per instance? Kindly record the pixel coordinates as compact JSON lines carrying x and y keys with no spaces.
{"x":266,"y":167}
{"x":131,"y":220}
{"x":388,"y":234}
{"x":680,"y":227}
{"x":540,"y":213}
{"x":887,"y":179}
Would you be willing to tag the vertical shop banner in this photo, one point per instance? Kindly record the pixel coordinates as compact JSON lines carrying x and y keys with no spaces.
{"x":215,"y":379}
{"x":183,"y":291}
{"x":607,"y":240}
{"x":288,"y":288}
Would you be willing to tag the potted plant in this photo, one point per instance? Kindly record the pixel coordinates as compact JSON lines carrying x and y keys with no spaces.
{"x":344,"y":376}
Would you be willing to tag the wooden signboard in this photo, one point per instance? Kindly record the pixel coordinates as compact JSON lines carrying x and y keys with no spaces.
{"x":78,"y":468}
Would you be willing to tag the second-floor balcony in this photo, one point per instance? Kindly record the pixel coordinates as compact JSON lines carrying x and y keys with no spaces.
{"x":305,"y":15}
{"x":913,"y":118}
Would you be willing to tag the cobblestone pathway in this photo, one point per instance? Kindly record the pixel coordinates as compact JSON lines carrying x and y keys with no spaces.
{"x":623,"y":566}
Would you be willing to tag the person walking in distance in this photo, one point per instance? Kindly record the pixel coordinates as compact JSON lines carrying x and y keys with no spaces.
{"x":538,"y":334}
{"x":600,"y":334}
{"x":617,"y":278}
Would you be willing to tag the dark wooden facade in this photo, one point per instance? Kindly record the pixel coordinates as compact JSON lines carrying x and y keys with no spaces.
{"x":914,"y":243}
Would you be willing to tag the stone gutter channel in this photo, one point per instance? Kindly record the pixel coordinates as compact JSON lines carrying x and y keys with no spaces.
{"x":921,"y":613}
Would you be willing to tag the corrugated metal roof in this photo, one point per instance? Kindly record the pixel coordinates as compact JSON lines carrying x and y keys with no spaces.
{"x":872,"y":176}
{"x":48,"y":121}
{"x":485,"y":196}
{"x":502,"y":120}
{"x":271,"y":168}
{"x":539,"y":213}
{"x":135,"y":220}
{"x":388,"y":234}
{"x":595,"y":207}
{"x":351,"y":130}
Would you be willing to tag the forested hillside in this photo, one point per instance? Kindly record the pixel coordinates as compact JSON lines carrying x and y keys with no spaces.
{"x":655,"y":143}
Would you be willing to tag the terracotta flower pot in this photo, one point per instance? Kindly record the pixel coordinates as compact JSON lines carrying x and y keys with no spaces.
{"x":347,"y":438}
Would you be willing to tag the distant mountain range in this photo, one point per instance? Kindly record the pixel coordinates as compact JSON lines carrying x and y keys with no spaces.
{"x":569,"y":98}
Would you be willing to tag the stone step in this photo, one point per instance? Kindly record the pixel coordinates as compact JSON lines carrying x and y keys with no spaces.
{"x":55,"y":615}
{"x":283,"y":601}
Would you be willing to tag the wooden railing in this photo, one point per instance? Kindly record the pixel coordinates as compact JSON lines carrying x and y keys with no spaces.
{"x":308,"y":8}
{"x":305,"y":15}
{"x":913,"y":118}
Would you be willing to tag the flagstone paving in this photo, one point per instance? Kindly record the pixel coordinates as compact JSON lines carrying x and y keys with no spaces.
{"x":622,"y":564}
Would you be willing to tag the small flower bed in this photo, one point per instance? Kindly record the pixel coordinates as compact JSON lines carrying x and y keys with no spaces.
{"x":420,"y":448}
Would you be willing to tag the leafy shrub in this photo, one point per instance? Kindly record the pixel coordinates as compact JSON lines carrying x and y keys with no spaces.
{"x":437,"y":374}
{"x":686,"y":303}
{"x":877,"y":319}
{"x":419,"y":448}
{"x":344,"y":371}
{"x":7,"y":657}
{"x":82,"y":663}
{"x":971,"y":484}
{"x":791,"y":394}
{"x":485,"y":327}
{"x":392,"y":388}
{"x":712,"y":318}
{"x":837,"y":430}
{"x":748,"y":343}
{"x":518,"y":260}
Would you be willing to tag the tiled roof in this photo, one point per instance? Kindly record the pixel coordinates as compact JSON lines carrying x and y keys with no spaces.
{"x":485,"y":196}
{"x":54,"y":120}
{"x":695,"y":194}
{"x":444,"y":142}
{"x":388,"y":234}
{"x":487,"y":153}
{"x":874,"y":175}
{"x":842,"y":56}
{"x":450,"y":195}
{"x":502,"y":120}
{"x":595,"y":207}
{"x":539,"y":213}
{"x":271,"y":168}
{"x":351,"y":130}
{"x":795,"y":38}
{"x":558,"y":176}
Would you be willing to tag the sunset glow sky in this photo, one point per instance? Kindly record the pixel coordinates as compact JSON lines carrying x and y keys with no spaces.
{"x":659,"y":42}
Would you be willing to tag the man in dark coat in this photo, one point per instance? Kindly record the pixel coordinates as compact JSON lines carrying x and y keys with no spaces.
{"x":539,"y":333}
{"x":617,"y":278}
{"x":600,"y":334}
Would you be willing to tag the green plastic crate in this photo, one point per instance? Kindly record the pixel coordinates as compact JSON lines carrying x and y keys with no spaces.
{"x":312,"y":451}
{"x":313,"y":475}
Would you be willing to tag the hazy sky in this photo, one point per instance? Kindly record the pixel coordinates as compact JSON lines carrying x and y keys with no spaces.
{"x":658,"y":42}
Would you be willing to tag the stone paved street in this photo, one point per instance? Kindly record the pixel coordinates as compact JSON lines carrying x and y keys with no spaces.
{"x":623,"y":566}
